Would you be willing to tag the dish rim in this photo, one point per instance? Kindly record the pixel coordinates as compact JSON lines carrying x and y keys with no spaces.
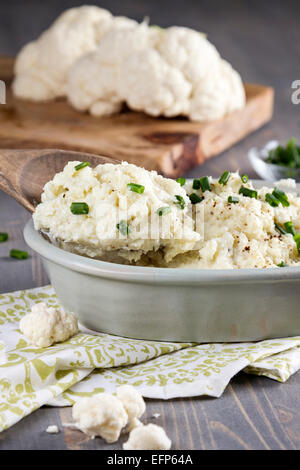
{"x":152,"y":275}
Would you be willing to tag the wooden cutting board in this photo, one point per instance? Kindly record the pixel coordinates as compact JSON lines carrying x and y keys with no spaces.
{"x":170,"y":146}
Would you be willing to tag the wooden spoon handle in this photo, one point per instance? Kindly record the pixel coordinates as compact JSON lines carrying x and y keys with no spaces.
{"x":23,"y":173}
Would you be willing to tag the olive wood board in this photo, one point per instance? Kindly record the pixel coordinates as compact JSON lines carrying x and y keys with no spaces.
{"x":169,"y":146}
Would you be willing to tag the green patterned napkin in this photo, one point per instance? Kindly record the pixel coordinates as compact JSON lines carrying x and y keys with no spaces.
{"x":87,"y":364}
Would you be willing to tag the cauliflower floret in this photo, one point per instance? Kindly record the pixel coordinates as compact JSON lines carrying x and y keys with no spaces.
{"x":102,"y":415}
{"x":149,"y":437}
{"x":42,"y":66}
{"x":133,"y":403}
{"x":45,"y":326}
{"x":120,"y":219}
{"x":217,"y":94}
{"x":169,"y":72}
{"x":52,"y":429}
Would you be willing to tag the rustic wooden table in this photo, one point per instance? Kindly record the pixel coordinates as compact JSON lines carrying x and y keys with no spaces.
{"x":262,"y":40}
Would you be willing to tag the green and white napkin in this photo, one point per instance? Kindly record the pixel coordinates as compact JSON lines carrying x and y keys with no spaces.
{"x":31,"y":377}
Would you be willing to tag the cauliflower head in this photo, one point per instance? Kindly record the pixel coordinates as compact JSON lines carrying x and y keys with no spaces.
{"x":45,"y":325}
{"x":169,"y":72}
{"x":42,"y":65}
{"x":133,"y":403}
{"x":149,"y":437}
{"x":102,"y":415}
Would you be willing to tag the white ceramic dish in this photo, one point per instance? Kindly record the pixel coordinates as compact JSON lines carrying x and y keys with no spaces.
{"x":173,"y":304}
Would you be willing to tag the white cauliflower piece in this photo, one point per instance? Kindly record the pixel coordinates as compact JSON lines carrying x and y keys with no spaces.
{"x":102,"y":415}
{"x":111,"y":202}
{"x":133,"y":403}
{"x":169,"y":72}
{"x":217,"y":94}
{"x":45,"y":325}
{"x":42,"y":65}
{"x":52,"y":429}
{"x":149,"y":437}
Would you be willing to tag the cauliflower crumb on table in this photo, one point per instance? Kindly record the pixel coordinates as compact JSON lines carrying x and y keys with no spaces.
{"x":102,"y":415}
{"x":106,"y":416}
{"x":52,"y":429}
{"x":149,"y":437}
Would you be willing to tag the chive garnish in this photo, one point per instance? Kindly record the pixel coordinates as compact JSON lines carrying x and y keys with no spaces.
{"x":181,"y":181}
{"x":280,"y":229}
{"x":136,"y":188}
{"x":233,"y":199}
{"x":163,"y":210}
{"x":79,"y":208}
{"x":82,"y":165}
{"x":179,"y":201}
{"x":18,"y":254}
{"x":272,"y":200}
{"x":248,"y":192}
{"x":196,"y":184}
{"x":288,"y":156}
{"x":289,"y":227}
{"x":282,"y":265}
{"x":123,"y":227}
{"x":281,"y":196}
{"x":195,"y":199}
{"x":244,"y":178}
{"x":205,"y":184}
{"x":3,"y":237}
{"x":224,"y":178}
{"x":297,"y":240}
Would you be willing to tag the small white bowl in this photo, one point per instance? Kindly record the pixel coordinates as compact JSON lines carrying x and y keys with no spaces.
{"x":269,"y":171}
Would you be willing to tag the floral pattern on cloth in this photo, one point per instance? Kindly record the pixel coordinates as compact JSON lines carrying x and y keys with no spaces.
{"x":87,"y":364}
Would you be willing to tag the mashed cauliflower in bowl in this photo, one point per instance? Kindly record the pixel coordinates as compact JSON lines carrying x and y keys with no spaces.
{"x":133,"y":216}
{"x":220,"y":289}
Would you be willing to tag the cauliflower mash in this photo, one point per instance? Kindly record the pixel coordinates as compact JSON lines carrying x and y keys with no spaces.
{"x":247,"y":232}
{"x":116,"y":212}
{"x":123,"y":213}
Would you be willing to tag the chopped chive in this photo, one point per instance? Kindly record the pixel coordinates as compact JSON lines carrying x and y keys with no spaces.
{"x":297,"y":240}
{"x":205,"y":184}
{"x":163,"y":210}
{"x":280,"y":229}
{"x":289,"y":227}
{"x":224,"y":178}
{"x":244,"y":178}
{"x":248,"y":192}
{"x":281,"y":196}
{"x":3,"y":237}
{"x":82,"y":165}
{"x":79,"y":208}
{"x":18,"y":254}
{"x":195,"y":199}
{"x":179,"y":201}
{"x":272,"y":200}
{"x":181,"y":181}
{"x":123,"y":227}
{"x":196,"y":184}
{"x":136,"y":188}
{"x":233,"y":199}
{"x":282,"y":265}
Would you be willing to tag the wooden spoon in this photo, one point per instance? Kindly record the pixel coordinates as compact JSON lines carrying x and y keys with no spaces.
{"x":23,"y":173}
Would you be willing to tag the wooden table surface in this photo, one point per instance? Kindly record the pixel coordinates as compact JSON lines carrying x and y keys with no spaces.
{"x":261,"y":39}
